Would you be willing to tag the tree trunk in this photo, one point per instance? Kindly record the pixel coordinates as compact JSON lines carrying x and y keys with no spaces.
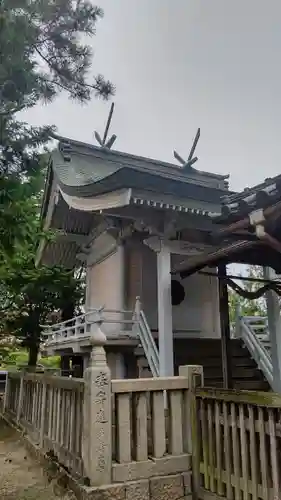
{"x":68,"y":312}
{"x":33,"y":355}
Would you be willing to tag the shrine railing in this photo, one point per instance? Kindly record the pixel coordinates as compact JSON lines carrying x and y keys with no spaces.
{"x":236,"y":444}
{"x":82,"y":326}
{"x":132,"y":323}
{"x":109,"y":431}
{"x":253,"y":330}
{"x":147,"y":341}
{"x":49,"y":408}
{"x":121,"y":431}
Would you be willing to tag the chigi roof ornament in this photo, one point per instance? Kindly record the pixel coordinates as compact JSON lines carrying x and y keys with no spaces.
{"x":191,"y":160}
{"x":103,"y":141}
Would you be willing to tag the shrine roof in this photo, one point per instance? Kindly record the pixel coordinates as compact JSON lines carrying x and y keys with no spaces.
{"x":84,"y":170}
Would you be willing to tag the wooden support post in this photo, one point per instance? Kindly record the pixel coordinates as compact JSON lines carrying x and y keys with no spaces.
{"x":192,"y":439}
{"x":20,"y":402}
{"x":225,"y":329}
{"x":43,"y":415}
{"x":6,"y":395}
{"x":65,"y":366}
{"x":165,"y":316}
{"x":274,"y":326}
{"x":77,"y":366}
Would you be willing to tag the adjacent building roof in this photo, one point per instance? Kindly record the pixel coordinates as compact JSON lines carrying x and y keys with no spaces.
{"x":235,"y":223}
{"x":235,"y":206}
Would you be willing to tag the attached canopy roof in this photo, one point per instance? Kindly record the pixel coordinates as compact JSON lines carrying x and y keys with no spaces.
{"x":238,"y":205}
{"x":247,"y":231}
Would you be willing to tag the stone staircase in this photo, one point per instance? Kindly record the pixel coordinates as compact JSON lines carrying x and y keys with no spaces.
{"x":207,"y":352}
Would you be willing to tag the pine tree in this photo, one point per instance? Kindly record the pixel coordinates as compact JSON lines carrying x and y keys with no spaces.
{"x":42,"y":53}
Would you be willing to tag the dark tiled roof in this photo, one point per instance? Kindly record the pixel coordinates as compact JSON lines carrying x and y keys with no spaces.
{"x":122,"y":157}
{"x":262,"y":195}
{"x":128,"y":178}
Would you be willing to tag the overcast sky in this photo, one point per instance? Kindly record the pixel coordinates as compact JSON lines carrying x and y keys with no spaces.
{"x":181,"y":64}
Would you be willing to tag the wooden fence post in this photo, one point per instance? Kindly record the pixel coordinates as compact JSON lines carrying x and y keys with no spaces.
{"x":195,"y":376}
{"x":97,"y":426}
{"x":6,"y":395}
{"x":19,"y":408}
{"x":43,"y":415}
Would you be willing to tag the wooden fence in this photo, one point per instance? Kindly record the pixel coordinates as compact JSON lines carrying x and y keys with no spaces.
{"x":148,"y":433}
{"x":150,"y":428}
{"x":50,"y":409}
{"x":115,"y":431}
{"x":237,"y":445}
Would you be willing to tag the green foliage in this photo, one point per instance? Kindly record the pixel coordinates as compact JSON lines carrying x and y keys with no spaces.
{"x":43,"y":52}
{"x":33,"y":294}
{"x":17,"y":358}
{"x":246,"y":307}
{"x":50,"y":362}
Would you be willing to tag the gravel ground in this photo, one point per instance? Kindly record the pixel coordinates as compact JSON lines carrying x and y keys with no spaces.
{"x":21,"y":478}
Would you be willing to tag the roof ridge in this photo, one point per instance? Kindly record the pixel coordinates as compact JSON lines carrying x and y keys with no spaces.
{"x":140,"y":158}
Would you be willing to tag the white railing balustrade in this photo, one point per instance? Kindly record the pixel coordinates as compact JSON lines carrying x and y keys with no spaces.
{"x":146,"y":339}
{"x":253,"y":330}
{"x":81,"y":326}
{"x":115,"y":322}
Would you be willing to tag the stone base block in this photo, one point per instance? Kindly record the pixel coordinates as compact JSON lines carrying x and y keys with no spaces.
{"x":172,"y":487}
{"x":108,"y":492}
{"x":167,"y":487}
{"x":138,"y":490}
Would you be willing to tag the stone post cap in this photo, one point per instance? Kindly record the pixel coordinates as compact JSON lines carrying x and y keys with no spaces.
{"x":97,"y":338}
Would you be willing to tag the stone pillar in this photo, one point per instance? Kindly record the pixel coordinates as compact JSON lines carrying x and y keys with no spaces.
{"x":274,"y":326}
{"x":97,"y":425}
{"x":165,"y":315}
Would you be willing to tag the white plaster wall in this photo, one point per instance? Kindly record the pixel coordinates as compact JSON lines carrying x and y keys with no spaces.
{"x":105,"y":287}
{"x":197,"y":316}
{"x":199,"y":312}
{"x":115,"y":361}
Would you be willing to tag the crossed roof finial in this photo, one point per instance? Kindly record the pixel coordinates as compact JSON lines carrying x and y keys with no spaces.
{"x":191,"y":160}
{"x":102,"y":141}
